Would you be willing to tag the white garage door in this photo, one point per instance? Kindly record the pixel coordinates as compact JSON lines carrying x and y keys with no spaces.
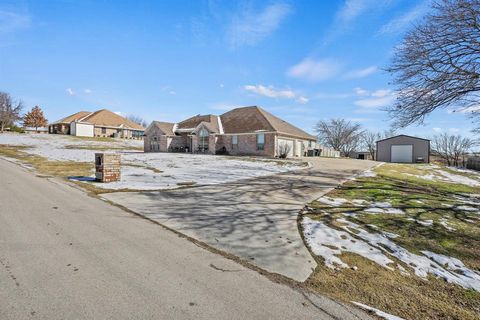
{"x":402,"y":153}
{"x":288,"y":143}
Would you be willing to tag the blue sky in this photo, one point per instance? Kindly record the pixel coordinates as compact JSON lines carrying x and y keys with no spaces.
{"x":167,"y":60}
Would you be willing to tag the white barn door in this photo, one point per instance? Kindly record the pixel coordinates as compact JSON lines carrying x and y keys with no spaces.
{"x":402,"y":153}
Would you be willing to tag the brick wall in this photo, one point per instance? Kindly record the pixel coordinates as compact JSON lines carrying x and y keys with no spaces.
{"x":107,"y":167}
{"x":110,"y":132}
{"x":247,"y":145}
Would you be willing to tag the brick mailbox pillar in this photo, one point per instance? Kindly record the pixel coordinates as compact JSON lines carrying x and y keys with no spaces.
{"x":107,"y":167}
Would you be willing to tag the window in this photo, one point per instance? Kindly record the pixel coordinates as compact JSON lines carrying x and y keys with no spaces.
{"x":203,"y":140}
{"x":260,"y":141}
{"x":234,"y":140}
{"x":104,"y":130}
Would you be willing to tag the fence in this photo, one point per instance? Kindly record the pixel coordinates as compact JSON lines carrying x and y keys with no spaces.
{"x":473,"y":163}
{"x":328,"y":152}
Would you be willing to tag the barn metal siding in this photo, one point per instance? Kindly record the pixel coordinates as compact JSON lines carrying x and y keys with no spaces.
{"x":421,"y":147}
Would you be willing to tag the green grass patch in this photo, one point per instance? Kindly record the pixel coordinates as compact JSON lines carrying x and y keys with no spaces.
{"x":420,"y":199}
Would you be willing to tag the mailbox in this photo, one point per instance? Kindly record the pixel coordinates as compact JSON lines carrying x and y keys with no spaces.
{"x":107,"y":167}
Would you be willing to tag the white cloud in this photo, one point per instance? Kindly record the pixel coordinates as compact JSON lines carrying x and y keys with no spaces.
{"x":249,"y":28}
{"x":314,"y":70}
{"x":11,"y":21}
{"x":436,"y":129}
{"x":400,"y":23}
{"x":168,"y":89}
{"x":221,"y":85}
{"x":87,"y":91}
{"x":361,"y":73}
{"x":373,"y":100}
{"x":360,"y":91}
{"x":454,"y":130}
{"x":302,"y":100}
{"x":471,"y":109}
{"x":120,"y":113}
{"x":70,"y":92}
{"x":381,"y":93}
{"x":352,"y":9}
{"x":270,"y":91}
{"x":373,"y":103}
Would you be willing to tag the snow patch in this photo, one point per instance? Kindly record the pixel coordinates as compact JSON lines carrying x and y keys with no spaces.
{"x":147,"y":171}
{"x":327,"y":243}
{"x":426,"y":223}
{"x":377,"y":312}
{"x":334,"y":202}
{"x":382,"y":208}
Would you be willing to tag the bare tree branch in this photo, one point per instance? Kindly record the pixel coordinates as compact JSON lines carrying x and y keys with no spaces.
{"x":451,"y":148}
{"x":438,"y":64}
{"x":339,"y":134}
{"x":10,"y":110}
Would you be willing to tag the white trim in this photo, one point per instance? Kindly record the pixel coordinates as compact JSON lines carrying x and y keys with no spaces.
{"x":220,"y":126}
{"x":88,"y":115}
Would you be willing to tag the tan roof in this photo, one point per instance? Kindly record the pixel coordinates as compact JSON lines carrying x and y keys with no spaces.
{"x":251,"y":119}
{"x":108,"y":118}
{"x":193,"y":122}
{"x":74,"y":117}
{"x":165,"y":127}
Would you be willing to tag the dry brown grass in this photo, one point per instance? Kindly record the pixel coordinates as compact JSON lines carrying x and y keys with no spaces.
{"x":406,"y":296}
{"x":44,"y":166}
{"x":409,"y":297}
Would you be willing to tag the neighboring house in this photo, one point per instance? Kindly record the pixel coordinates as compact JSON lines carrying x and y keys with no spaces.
{"x":37,"y":130}
{"x":362,"y":155}
{"x":101,"y":123}
{"x":403,"y":149}
{"x":241,"y":131}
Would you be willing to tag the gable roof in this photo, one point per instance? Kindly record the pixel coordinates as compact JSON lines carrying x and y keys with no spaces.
{"x":251,"y":119}
{"x":74,"y":117}
{"x":101,"y":117}
{"x":108,"y":118}
{"x":165,"y":127}
{"x":402,"y":135}
{"x":193,"y":122}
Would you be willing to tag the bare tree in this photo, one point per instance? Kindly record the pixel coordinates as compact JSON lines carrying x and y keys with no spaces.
{"x":370,"y":138}
{"x":10,"y":110}
{"x":438,"y":64}
{"x":138,"y":120}
{"x":339,"y":134}
{"x":283,"y":150}
{"x":451,"y":148}
{"x":35,"y":118}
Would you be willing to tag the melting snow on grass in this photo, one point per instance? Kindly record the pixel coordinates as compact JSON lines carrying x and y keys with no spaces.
{"x":148,"y":171}
{"x":328,"y":243}
{"x":383,"y":208}
{"x":334,"y":202}
{"x":377,"y":312}
{"x":439,"y":174}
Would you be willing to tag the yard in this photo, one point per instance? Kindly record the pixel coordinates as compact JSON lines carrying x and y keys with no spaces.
{"x":404,"y":239}
{"x":73,"y":157}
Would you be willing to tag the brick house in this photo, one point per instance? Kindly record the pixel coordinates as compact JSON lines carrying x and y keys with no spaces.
{"x":241,"y":131}
{"x":101,"y":123}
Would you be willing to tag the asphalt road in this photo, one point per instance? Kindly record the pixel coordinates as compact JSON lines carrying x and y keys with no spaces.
{"x":65,"y":255}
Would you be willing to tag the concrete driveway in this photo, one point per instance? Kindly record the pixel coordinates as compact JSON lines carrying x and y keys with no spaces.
{"x":65,"y":255}
{"x":255,"y":219}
